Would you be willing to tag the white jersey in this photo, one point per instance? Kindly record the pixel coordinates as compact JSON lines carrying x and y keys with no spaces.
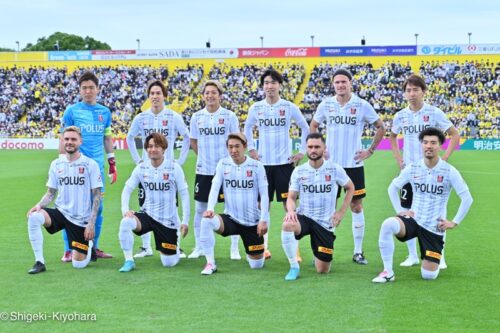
{"x":411,"y":123}
{"x":167,"y":122}
{"x":241,"y":184}
{"x":74,"y":182}
{"x":345,"y":126}
{"x":273,"y":123}
{"x":317,"y":189}
{"x":161,"y":186}
{"x":211,"y":131}
{"x":431,"y":190}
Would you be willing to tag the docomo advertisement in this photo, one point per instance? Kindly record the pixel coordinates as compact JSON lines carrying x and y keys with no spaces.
{"x":165,"y":54}
{"x":42,"y":144}
{"x":281,"y":52}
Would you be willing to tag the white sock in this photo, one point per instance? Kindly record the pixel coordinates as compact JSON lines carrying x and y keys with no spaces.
{"x":127,"y":237}
{"x":389,"y":228}
{"x":412,"y":248}
{"x":200,"y":208}
{"x":234,"y":242}
{"x":358,"y":230}
{"x":146,"y":240}
{"x":84,"y":263}
{"x":289,"y":244}
{"x":169,"y":261}
{"x":207,"y":237}
{"x":266,"y":236}
{"x":429,"y":275}
{"x":35,"y":222}
{"x":256,"y":263}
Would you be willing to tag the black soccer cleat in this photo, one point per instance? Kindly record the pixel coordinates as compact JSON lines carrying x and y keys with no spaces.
{"x":38,"y":267}
{"x":93,"y":255}
{"x":359,"y":258}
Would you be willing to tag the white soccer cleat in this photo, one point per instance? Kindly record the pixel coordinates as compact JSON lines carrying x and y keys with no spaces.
{"x":182,"y":254}
{"x":409,"y":261}
{"x":235,"y":254}
{"x":196,"y":254}
{"x":442,"y":264}
{"x":384,"y":278}
{"x":144,"y":253}
{"x":209,"y":269}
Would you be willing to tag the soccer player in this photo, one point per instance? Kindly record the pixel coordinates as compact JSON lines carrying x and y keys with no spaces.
{"x":94,"y":121}
{"x":431,"y":180}
{"x":410,"y":121}
{"x":162,"y":179}
{"x":75,"y":181}
{"x":243,"y":180}
{"x":158,"y":119}
{"x":209,"y":129}
{"x":345,"y":115}
{"x":316,"y":183}
{"x":273,"y":117}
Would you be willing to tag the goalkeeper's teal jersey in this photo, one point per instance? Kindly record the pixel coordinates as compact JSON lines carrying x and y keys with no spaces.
{"x":94,"y":122}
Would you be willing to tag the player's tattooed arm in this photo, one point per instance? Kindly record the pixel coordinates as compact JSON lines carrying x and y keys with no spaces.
{"x":96,"y":203}
{"x":48,"y":197}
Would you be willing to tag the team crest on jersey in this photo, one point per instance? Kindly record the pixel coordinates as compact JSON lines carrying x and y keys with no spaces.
{"x":282,"y":113}
{"x":164,"y":122}
{"x":426,"y":119}
{"x":221,"y":121}
{"x":100,"y":117}
{"x":328,"y":178}
{"x":353,"y":110}
{"x":440,"y":179}
{"x":165,"y":176}
{"x":81,"y":170}
{"x":249,"y":173}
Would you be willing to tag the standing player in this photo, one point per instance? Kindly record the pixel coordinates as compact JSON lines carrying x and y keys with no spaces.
{"x":273,"y":117}
{"x":162,"y":179}
{"x":410,"y":122}
{"x":431,"y":180}
{"x":243,"y":180}
{"x":76,"y":180}
{"x":94,"y":121}
{"x":158,"y":119}
{"x":316,"y":182}
{"x":209,"y":130}
{"x":345,"y":115}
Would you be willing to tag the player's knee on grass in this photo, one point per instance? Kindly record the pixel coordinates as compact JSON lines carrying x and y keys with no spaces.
{"x":256,"y":263}
{"x":321,"y":266}
{"x":429,"y":275}
{"x":169,"y":261}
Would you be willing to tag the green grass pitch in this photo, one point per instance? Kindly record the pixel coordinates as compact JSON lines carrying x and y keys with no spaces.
{"x":465,"y":298}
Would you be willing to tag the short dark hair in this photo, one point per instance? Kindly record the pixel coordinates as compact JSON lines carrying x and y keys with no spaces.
{"x":415,"y":80}
{"x":274,"y":74}
{"x":88,"y":76}
{"x":344,"y":72}
{"x":158,"y":139}
{"x":315,"y":135}
{"x":237,"y":136}
{"x":157,"y":83}
{"x":432,"y":131}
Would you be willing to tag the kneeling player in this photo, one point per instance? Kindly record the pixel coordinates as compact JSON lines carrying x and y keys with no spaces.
{"x":431,"y":180}
{"x":316,"y":182}
{"x":243,"y":180}
{"x":76,"y":180}
{"x":161,"y":179}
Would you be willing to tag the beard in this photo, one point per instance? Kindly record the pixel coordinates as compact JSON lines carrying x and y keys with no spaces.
{"x":315,"y":158}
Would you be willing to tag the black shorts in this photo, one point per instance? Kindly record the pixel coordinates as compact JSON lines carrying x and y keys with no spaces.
{"x":431,"y":245}
{"x":76,"y":238}
{"x":165,"y":238}
{"x":321,"y":239}
{"x":278,"y":178}
{"x":357,"y":176}
{"x":202,"y":186}
{"x":406,"y":196}
{"x":253,"y":243}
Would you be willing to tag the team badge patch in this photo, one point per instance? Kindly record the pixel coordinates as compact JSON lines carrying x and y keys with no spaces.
{"x":249,"y":173}
{"x":440,"y":179}
{"x":221,"y":121}
{"x":282,"y":113}
{"x":100,"y":117}
{"x":328,"y":178}
{"x":81,"y":169}
{"x":426,"y":119}
{"x":165,"y":176}
{"x":164,"y":122}
{"x":353,"y":110}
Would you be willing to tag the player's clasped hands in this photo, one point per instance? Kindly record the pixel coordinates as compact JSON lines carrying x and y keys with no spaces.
{"x":362,"y":155}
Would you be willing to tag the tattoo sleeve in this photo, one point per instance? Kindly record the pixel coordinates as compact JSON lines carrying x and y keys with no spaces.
{"x":48,"y":197}
{"x":96,"y":202}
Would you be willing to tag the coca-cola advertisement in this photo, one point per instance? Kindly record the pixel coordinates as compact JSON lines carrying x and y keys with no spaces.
{"x":279,"y":52}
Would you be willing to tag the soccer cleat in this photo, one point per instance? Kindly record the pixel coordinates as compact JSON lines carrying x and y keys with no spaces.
{"x":293,"y":274}
{"x":359,"y":258}
{"x":209,"y":269}
{"x":442,"y":264}
{"x":38,"y":267}
{"x":235,"y":254}
{"x":182,"y":254}
{"x":267,"y":254}
{"x":384,"y":278}
{"x":144,"y":252}
{"x":409,"y":261}
{"x":102,"y":254}
{"x":67,"y":257}
{"x":128,"y":266}
{"x":93,"y":255}
{"x":196,"y":253}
